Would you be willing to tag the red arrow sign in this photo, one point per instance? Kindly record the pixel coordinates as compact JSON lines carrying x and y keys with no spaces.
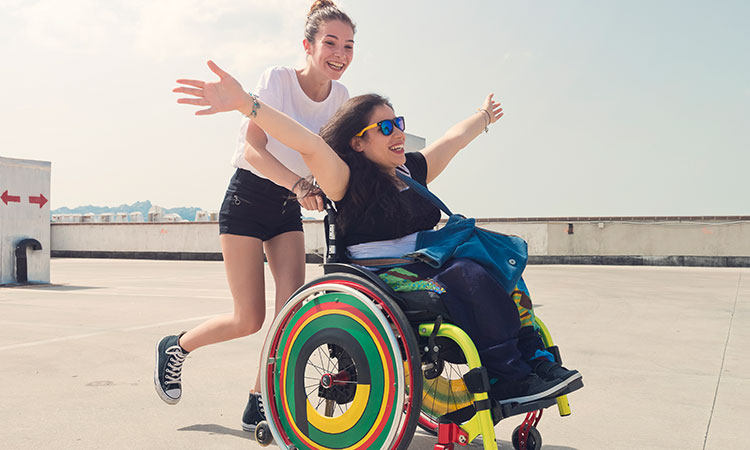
{"x":40,"y":200}
{"x":10,"y":198}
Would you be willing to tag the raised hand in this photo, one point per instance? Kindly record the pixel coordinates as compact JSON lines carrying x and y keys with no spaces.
{"x":493,"y":108}
{"x":220,"y":96}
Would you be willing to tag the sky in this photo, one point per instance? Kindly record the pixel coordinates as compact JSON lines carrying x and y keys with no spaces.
{"x":611,"y":107}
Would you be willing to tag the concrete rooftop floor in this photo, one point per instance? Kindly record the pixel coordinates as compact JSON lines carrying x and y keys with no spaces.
{"x":662,"y":351}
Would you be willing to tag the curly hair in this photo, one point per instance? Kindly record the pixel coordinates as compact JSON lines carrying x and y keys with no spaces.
{"x":368,"y":183}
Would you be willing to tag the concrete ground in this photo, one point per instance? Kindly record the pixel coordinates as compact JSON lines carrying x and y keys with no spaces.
{"x":661,"y":350}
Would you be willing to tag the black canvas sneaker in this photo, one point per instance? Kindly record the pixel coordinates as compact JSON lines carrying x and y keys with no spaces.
{"x":548,"y":370}
{"x":168,"y":370}
{"x":527,"y":389}
{"x":254,"y":412}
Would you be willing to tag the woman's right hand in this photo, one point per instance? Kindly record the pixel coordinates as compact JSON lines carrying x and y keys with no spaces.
{"x":312,"y":202}
{"x":308,"y":195}
{"x":220,"y":96}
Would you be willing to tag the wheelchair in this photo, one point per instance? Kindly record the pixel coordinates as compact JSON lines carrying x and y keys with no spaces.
{"x":351,"y":364}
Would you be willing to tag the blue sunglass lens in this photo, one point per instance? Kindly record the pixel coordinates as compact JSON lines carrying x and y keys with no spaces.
{"x":386,"y":127}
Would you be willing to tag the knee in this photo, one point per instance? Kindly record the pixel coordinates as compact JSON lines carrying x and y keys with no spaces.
{"x":245,"y":326}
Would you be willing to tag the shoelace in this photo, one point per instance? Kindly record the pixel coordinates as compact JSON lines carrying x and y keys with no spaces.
{"x":174,"y":366}
{"x":260,"y":406}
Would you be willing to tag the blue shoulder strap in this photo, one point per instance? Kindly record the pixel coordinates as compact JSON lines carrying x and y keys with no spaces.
{"x":424,"y":192}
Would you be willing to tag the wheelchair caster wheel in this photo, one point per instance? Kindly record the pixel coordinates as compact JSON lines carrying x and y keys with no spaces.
{"x":533,"y":439}
{"x":263,"y":434}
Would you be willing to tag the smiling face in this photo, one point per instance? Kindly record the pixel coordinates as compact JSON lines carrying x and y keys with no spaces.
{"x":385,"y":151}
{"x":332,"y":50}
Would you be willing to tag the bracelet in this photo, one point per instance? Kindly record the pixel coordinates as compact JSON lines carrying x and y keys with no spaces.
{"x":489,"y":119}
{"x":294,"y":186}
{"x":256,"y":106}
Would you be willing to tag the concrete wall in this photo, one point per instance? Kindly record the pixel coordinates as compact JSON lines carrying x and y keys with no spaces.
{"x":622,"y":240}
{"x":24,"y":214}
{"x":651,"y":239}
{"x":185,"y":240}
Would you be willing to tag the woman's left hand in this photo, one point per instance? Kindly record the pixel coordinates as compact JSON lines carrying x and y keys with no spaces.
{"x":220,"y":96}
{"x":493,"y":108}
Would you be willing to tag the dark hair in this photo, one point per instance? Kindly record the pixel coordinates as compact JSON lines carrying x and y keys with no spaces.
{"x":368,"y":183}
{"x":323,"y":11}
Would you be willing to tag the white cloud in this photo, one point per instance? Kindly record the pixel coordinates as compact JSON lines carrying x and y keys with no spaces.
{"x":246,"y":33}
{"x":242,"y":30}
{"x":84,"y":26}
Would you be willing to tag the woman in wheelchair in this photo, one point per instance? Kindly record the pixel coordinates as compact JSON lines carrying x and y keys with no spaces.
{"x":355,"y":160}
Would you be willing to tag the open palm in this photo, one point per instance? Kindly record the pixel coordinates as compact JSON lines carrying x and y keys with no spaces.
{"x":220,"y":96}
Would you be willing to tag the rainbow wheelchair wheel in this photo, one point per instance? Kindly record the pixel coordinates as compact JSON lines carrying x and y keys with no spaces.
{"x":443,"y":394}
{"x":339,"y":359}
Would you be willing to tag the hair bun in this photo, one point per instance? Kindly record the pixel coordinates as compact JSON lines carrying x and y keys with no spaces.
{"x":318,"y":4}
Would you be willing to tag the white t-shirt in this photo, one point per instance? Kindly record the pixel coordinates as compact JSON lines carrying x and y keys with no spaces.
{"x":279,"y":88}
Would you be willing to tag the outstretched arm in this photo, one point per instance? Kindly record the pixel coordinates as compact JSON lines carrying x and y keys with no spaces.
{"x":227,"y":94}
{"x":441,"y":152}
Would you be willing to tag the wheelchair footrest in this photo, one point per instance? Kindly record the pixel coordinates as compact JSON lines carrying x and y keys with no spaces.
{"x":514,"y":409}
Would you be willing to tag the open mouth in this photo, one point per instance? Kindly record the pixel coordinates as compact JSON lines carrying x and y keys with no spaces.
{"x":398,"y":148}
{"x":336,"y":66}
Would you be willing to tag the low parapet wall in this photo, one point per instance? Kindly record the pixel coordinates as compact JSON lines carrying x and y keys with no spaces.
{"x":696,"y":240}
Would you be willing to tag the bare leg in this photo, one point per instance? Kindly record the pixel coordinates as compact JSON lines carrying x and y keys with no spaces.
{"x":243,"y":261}
{"x":286,"y":259}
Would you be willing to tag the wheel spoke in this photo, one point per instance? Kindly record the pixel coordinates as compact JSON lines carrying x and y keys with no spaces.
{"x":320,"y":370}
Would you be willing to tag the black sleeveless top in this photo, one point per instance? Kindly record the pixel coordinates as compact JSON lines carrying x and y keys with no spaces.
{"x":375,"y":224}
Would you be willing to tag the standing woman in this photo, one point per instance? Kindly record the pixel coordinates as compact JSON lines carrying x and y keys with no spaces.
{"x":260,"y":214}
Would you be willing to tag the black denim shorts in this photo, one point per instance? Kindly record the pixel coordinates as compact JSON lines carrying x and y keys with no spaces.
{"x":257,"y":207}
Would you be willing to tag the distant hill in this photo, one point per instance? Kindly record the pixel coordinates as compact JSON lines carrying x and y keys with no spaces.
{"x":187,"y":213}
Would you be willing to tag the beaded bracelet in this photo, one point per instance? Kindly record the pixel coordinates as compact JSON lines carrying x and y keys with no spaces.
{"x":256,"y":106}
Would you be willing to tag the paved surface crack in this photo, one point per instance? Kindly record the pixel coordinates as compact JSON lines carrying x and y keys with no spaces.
{"x":723,"y":357}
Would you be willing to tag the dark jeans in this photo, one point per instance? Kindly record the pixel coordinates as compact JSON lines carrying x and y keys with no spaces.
{"x":481,"y":307}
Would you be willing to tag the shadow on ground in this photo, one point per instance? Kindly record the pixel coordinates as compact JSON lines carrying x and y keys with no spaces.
{"x":425,"y":441}
{"x":49,"y":287}
{"x":211,"y":428}
{"x":420,"y":440}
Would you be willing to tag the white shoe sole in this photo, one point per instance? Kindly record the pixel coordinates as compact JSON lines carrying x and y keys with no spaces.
{"x":540,"y":395}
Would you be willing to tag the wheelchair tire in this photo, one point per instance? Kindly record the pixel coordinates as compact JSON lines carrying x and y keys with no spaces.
{"x":263,"y":434}
{"x":339,"y":359}
{"x":533,"y":439}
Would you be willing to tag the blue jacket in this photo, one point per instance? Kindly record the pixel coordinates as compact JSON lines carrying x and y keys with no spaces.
{"x":502,"y":255}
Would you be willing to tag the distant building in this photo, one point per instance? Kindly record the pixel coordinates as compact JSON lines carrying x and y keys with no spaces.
{"x":156,"y":214}
{"x":136,"y":216}
{"x":414,"y":143}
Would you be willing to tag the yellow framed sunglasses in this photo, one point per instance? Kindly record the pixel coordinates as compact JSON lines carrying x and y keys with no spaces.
{"x":386,"y":126}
